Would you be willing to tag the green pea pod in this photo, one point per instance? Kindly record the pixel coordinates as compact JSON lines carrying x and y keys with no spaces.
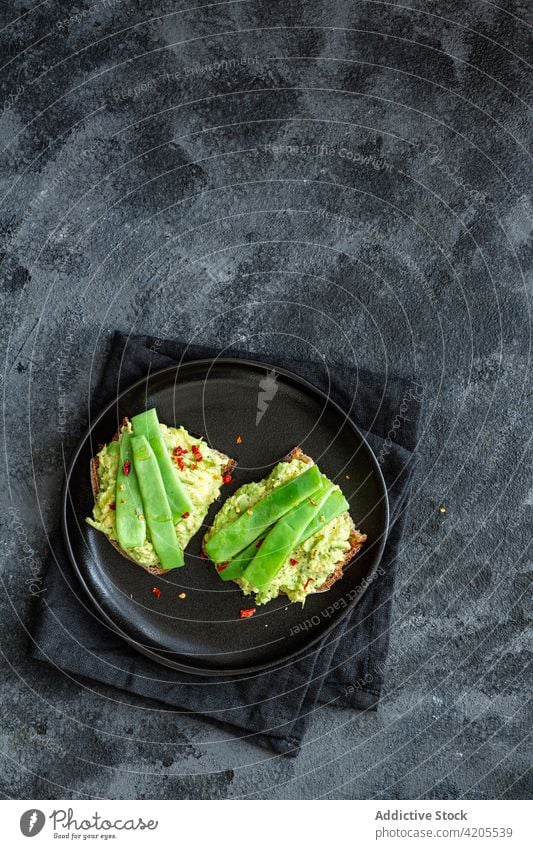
{"x":237,"y":565}
{"x":279,"y":542}
{"x":334,"y":505}
{"x":155,"y":505}
{"x":129,"y":518}
{"x":147,"y":424}
{"x":234,"y":538}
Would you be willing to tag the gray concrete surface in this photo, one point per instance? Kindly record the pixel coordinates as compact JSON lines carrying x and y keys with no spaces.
{"x":352,"y":173}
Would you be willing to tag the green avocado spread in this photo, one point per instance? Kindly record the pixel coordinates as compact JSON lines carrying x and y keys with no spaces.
{"x":312,"y":561}
{"x":202,"y":478}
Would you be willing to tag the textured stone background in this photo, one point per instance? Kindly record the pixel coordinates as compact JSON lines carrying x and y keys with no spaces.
{"x":140,"y":190}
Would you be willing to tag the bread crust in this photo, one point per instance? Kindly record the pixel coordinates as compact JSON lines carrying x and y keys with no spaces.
{"x":356,"y":538}
{"x":152,"y":568}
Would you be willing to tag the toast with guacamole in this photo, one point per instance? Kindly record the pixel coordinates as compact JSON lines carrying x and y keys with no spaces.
{"x":152,"y":487}
{"x":289,"y":534}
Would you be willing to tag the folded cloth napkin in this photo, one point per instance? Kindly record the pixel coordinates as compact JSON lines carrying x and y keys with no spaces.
{"x":272,"y":708}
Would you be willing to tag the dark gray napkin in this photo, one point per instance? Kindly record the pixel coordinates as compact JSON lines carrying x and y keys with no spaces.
{"x":272,"y":707}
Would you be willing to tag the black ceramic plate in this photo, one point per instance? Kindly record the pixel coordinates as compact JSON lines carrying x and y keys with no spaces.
{"x":203,"y":633}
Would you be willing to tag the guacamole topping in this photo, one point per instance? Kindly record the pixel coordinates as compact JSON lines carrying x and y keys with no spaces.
{"x":311,"y":563}
{"x":202,"y":478}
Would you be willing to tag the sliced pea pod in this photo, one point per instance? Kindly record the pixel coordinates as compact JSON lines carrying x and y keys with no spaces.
{"x":113,"y":449}
{"x":234,"y":538}
{"x":279,"y":542}
{"x":147,"y":424}
{"x":334,"y":505}
{"x":129,"y":513}
{"x":155,"y":504}
{"x":236,"y":566}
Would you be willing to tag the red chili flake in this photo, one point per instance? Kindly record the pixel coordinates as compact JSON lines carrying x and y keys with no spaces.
{"x":194,"y":466}
{"x":293,"y":562}
{"x":309,"y":581}
{"x":197,"y":453}
{"x":185,"y":515}
{"x":126,"y":468}
{"x":227,"y":478}
{"x":179,"y":451}
{"x":156,"y":591}
{"x":245,"y":614}
{"x":259,"y":542}
{"x":222,"y":566}
{"x":239,"y":440}
{"x":180,"y":463}
{"x":112,"y":505}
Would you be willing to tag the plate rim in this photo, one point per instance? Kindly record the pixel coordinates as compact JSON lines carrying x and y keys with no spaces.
{"x":154,"y":655}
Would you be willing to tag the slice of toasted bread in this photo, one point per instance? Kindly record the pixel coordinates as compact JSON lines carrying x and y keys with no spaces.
{"x":153,"y":568}
{"x":356,"y":539}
